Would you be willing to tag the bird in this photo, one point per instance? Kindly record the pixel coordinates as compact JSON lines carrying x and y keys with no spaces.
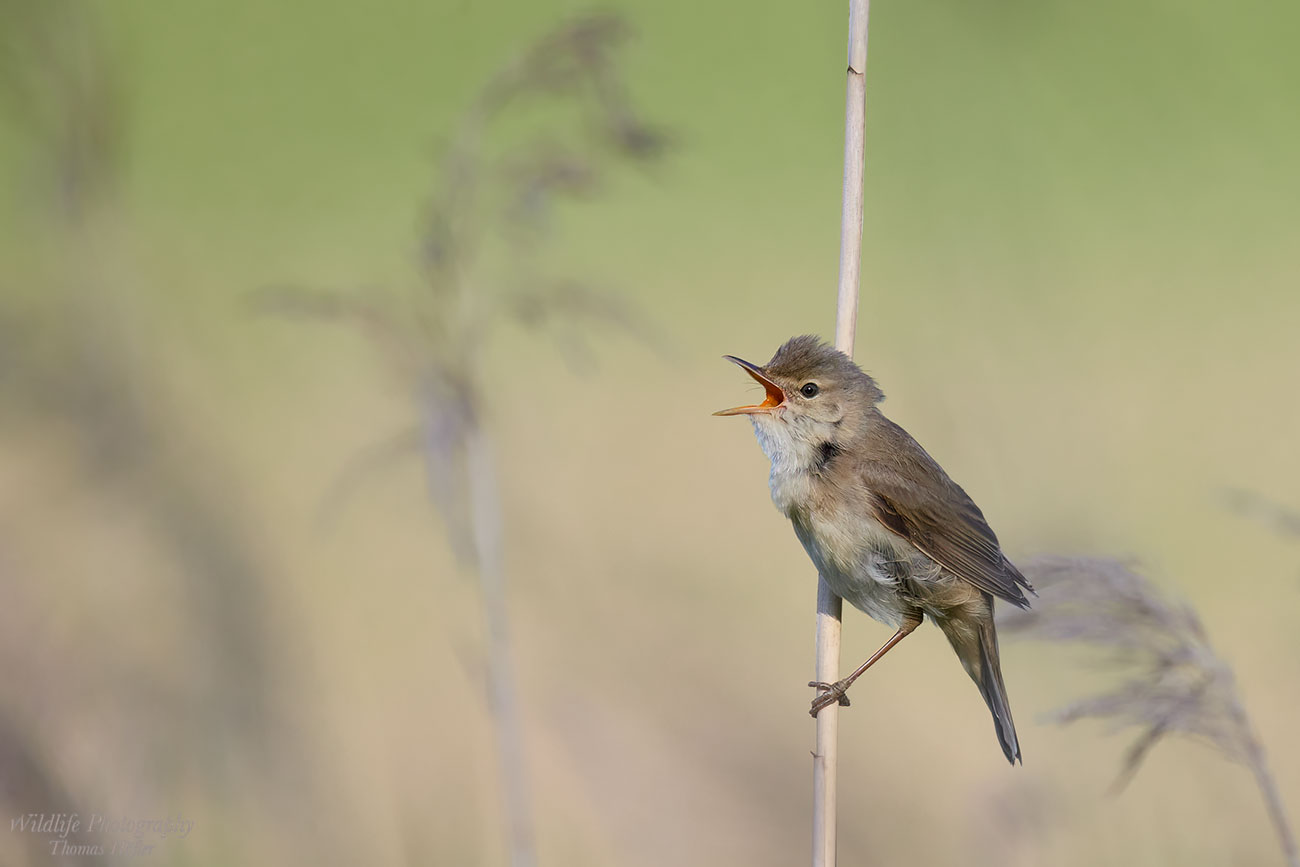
{"x":883,"y":523}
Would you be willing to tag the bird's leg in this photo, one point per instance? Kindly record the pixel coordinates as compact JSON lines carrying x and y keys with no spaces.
{"x":829,"y":693}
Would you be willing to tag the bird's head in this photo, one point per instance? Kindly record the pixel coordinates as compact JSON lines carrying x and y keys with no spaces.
{"x":816,"y":398}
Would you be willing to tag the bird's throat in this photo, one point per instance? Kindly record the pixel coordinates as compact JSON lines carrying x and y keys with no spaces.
{"x":796,"y":463}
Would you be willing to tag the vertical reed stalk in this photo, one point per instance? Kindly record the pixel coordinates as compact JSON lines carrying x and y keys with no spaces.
{"x":489,"y":547}
{"x":830,"y":606}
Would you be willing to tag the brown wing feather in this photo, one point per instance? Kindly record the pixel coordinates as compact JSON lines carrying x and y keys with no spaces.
{"x":942,"y":522}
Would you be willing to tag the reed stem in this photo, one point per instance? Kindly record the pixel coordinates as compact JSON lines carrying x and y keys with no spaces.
{"x":830,"y":606}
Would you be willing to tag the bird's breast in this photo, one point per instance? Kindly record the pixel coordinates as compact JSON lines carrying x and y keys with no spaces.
{"x":793,"y":490}
{"x":876,"y":571}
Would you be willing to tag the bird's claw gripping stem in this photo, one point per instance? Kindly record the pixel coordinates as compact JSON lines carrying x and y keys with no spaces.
{"x":830,"y":693}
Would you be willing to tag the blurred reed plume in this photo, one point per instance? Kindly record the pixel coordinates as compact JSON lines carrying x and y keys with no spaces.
{"x":502,"y":173}
{"x":1173,"y":682}
{"x":60,"y":85}
{"x":1255,"y":507}
{"x":79,"y":374}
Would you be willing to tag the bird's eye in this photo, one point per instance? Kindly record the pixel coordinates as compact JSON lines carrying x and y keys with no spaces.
{"x":809,"y":389}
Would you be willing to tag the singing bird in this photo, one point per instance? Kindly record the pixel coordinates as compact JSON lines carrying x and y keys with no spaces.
{"x":881,"y":520}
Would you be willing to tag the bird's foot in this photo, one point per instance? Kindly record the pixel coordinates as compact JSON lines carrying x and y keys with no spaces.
{"x":829,"y":694}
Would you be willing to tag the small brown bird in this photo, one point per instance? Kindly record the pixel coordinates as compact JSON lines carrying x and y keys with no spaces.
{"x":883,"y":523}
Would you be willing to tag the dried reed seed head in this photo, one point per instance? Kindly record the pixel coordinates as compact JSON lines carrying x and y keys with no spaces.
{"x":1173,"y":682}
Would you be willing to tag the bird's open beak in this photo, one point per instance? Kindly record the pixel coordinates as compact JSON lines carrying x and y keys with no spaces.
{"x":775,"y":397}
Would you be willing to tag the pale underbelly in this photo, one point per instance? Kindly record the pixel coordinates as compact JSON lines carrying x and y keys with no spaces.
{"x":882,"y":600}
{"x":870,"y":568}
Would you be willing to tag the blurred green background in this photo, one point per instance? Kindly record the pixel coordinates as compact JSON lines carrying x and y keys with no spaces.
{"x":1079,"y":293}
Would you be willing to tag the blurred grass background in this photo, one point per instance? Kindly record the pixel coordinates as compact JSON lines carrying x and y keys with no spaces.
{"x":1079,"y":294}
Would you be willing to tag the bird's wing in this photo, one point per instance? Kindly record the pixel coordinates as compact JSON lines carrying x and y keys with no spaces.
{"x":942,"y":522}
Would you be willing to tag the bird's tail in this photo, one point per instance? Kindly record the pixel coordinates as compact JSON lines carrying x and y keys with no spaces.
{"x":978,"y":651}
